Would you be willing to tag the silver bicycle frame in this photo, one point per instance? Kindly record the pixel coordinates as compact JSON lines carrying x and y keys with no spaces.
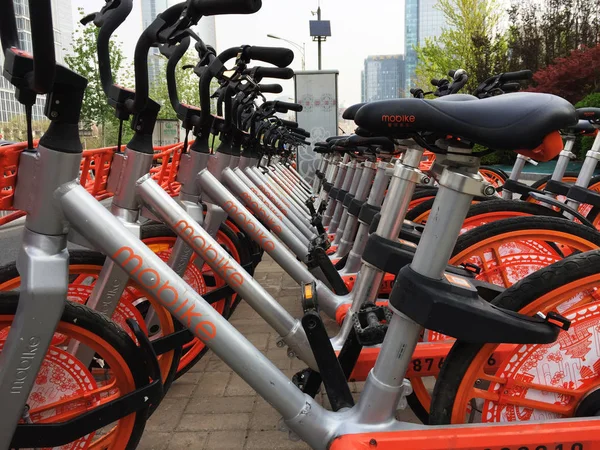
{"x":587,"y":170}
{"x":338,"y":208}
{"x":380,"y":182}
{"x":351,"y":227}
{"x":406,"y":175}
{"x":352,"y":191}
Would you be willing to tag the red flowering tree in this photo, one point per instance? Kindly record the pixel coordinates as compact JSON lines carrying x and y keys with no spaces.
{"x":572,"y":77}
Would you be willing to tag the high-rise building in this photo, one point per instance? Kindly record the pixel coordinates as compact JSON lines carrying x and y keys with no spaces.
{"x":422,"y":21}
{"x":383,"y":77}
{"x":207,"y":31}
{"x":63,"y":30}
{"x":156,"y":62}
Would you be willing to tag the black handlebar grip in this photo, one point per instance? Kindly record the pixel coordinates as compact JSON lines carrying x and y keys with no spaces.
{"x":278,"y":56}
{"x":270,"y":88}
{"x":109,"y":22}
{"x":289,"y":123}
{"x":451,"y":73}
{"x":510,"y":87}
{"x":8,"y":26}
{"x":291,"y":106}
{"x":516,"y":76}
{"x":217,"y":7}
{"x":42,"y":43}
{"x":302,"y":131}
{"x":274,"y":72}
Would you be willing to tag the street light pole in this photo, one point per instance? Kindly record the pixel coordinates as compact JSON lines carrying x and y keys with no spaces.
{"x":319,"y":38}
{"x":301,"y":48}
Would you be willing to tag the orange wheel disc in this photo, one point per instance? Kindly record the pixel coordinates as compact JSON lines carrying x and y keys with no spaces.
{"x":504,"y":260}
{"x":492,"y":177}
{"x":65,"y":388}
{"x":538,"y":381}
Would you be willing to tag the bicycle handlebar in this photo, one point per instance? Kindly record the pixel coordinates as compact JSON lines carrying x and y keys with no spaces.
{"x":270,"y":88}
{"x":516,"y":76}
{"x":176,"y":53}
{"x":273,"y":72}
{"x":289,"y":123}
{"x":41,"y":79}
{"x":289,"y":106}
{"x":278,"y":56}
{"x":217,"y":7}
{"x":108,"y":20}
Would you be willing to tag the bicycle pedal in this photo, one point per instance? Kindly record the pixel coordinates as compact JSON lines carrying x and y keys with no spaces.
{"x":310,"y":300}
{"x":371,"y":324}
{"x":321,"y":241}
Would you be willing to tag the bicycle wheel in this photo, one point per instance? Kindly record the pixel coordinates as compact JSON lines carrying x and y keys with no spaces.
{"x":568,"y":177}
{"x":161,"y":239}
{"x":66,"y":388}
{"x":493,"y":175}
{"x":505,"y":252}
{"x":499,"y":209}
{"x":420,"y":213}
{"x":84,"y":268}
{"x":422,"y":193}
{"x":584,"y":209}
{"x":472,"y":376}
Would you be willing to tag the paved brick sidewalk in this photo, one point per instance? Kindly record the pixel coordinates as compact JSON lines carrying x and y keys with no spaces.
{"x":211,"y":407}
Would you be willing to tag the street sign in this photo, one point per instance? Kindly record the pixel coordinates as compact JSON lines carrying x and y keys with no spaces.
{"x":165,"y":132}
{"x":316,"y":91}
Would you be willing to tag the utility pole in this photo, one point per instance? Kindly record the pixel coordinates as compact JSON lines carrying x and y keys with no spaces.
{"x":319,"y":38}
{"x":319,"y":31}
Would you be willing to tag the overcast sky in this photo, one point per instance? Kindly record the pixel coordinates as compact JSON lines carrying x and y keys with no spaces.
{"x":359,"y":28}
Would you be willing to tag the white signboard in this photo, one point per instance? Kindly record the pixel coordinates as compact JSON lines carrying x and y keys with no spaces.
{"x":316,"y":91}
{"x":166,"y":132}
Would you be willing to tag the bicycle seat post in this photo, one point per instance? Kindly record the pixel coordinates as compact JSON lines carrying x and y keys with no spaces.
{"x":459,"y":183}
{"x":564,"y":158}
{"x":515,"y":174}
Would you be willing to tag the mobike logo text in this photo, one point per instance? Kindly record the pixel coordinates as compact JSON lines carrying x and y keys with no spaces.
{"x":398,"y":118}
{"x":249,"y":226}
{"x":180,"y":306}
{"x":262,"y":199}
{"x":273,"y":199}
{"x":214,"y":255}
{"x":262,"y":213}
{"x":25,"y":364}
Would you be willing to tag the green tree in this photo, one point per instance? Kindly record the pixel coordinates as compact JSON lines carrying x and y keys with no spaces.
{"x":542,"y":31}
{"x":84,"y":60}
{"x":469,"y":41}
{"x":583,"y":144}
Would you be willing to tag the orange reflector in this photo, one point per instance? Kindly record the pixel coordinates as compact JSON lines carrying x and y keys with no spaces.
{"x":308,"y":292}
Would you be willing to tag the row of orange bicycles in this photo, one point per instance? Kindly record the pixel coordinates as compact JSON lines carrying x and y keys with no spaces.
{"x":457,"y":291}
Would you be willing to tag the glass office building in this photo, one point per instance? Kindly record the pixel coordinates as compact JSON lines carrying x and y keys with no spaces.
{"x":383,"y":77}
{"x":63,"y":30}
{"x":423,"y":21}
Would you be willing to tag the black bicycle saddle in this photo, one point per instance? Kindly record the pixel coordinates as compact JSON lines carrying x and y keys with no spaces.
{"x":582,"y":127}
{"x":591,"y":114}
{"x":350,"y":112}
{"x":515,"y":121}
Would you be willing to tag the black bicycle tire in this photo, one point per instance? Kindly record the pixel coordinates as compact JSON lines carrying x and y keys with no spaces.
{"x":484,"y":232}
{"x":81,"y":316}
{"x":515,"y":298}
